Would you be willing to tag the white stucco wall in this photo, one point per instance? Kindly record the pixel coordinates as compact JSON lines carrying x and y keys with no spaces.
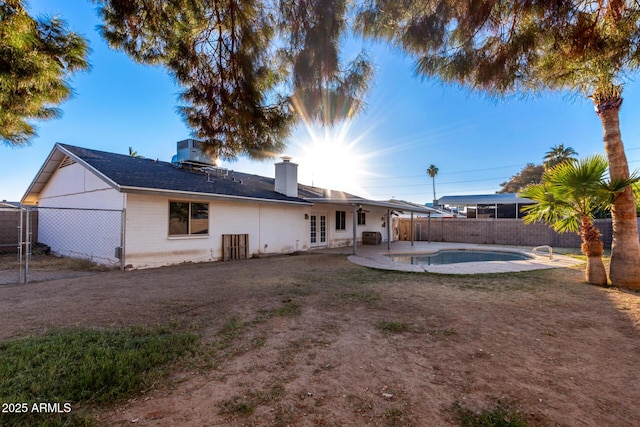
{"x":272,"y":229}
{"x":74,"y":186}
{"x":338,"y":238}
{"x":79,"y":216}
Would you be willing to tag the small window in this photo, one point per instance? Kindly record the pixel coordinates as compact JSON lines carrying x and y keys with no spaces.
{"x":341,"y":220}
{"x":362,"y":218}
{"x":186,"y":218}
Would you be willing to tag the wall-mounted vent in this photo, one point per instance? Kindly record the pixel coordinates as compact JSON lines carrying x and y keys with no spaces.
{"x":67,"y":161}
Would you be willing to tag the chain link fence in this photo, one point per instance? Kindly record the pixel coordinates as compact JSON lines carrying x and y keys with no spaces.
{"x":11,"y":219}
{"x":51,"y":243}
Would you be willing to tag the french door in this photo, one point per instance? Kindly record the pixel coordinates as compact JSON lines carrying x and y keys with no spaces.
{"x":318,"y":224}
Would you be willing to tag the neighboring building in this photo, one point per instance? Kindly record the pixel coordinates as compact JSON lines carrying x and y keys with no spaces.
{"x":504,"y":205}
{"x":189,"y":210}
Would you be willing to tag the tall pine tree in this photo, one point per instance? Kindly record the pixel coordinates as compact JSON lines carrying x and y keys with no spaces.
{"x":36,"y":58}
{"x":249,"y":70}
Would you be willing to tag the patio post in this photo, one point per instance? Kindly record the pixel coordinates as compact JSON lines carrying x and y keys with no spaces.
{"x":411,"y":228}
{"x":388,"y":229}
{"x":355,"y":233}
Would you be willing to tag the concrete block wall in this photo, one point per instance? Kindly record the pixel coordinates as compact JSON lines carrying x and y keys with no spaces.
{"x":494,"y":231}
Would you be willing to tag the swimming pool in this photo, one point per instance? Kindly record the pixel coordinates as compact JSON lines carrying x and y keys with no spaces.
{"x":455,"y":256}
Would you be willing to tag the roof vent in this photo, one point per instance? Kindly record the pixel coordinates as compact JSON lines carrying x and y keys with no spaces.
{"x":67,"y":161}
{"x":191,"y":151}
{"x":215,"y":172}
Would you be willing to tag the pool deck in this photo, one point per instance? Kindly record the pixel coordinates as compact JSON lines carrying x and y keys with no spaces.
{"x":376,"y":256}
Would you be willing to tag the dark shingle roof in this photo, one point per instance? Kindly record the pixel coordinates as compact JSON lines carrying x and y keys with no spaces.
{"x":129,"y":172}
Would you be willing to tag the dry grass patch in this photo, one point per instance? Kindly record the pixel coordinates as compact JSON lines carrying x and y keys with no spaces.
{"x":315,"y":340}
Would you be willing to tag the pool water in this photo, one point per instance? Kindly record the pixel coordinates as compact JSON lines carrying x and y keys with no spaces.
{"x":458,"y":256}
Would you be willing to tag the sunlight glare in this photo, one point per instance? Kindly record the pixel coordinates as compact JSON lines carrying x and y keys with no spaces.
{"x":329,"y":158}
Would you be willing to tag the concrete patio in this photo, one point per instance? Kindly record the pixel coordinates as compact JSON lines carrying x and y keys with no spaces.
{"x":377,"y":256}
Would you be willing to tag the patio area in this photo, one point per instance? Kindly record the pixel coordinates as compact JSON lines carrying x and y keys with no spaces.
{"x":377,"y":256}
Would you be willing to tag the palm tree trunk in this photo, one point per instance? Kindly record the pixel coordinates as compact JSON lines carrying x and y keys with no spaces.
{"x":625,"y":249}
{"x":434,"y":189}
{"x":595,"y":272}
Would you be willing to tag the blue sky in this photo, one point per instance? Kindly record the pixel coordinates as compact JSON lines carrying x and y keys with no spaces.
{"x":476,"y":143}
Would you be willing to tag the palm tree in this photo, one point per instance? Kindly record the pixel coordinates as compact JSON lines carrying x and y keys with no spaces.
{"x":557,"y":155}
{"x":504,"y":47}
{"x":432,"y":172}
{"x":569,"y":195}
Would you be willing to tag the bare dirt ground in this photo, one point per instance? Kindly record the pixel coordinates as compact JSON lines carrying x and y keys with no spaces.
{"x":322,"y":342}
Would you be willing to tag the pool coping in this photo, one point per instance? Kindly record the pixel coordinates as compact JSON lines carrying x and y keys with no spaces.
{"x":378,"y":258}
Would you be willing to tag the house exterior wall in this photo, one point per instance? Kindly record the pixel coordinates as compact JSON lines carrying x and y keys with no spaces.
{"x":79,"y":216}
{"x":74,"y":186}
{"x":73,"y":205}
{"x":337,"y":238}
{"x":272,"y":229}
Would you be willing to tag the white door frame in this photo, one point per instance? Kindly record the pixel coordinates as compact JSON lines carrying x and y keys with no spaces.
{"x":319,"y":229}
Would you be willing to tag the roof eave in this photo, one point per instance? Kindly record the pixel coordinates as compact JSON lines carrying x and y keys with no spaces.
{"x":199,"y":195}
{"x":49,"y":168}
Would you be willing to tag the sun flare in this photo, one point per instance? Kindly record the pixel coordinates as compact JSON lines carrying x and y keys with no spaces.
{"x":330,"y":158}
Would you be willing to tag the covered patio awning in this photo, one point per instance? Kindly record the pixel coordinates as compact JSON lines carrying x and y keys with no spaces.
{"x":392,"y":206}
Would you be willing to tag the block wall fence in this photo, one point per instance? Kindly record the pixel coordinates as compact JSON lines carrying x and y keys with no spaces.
{"x":493,"y":231}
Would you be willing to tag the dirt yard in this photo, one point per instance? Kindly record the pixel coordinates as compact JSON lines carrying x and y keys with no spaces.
{"x":321,"y":342}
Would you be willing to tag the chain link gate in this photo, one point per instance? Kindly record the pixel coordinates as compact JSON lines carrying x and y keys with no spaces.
{"x":54,"y":243}
{"x":11,"y":260}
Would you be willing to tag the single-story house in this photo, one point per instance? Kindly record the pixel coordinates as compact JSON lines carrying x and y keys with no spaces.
{"x":503,"y":205}
{"x":189,"y":210}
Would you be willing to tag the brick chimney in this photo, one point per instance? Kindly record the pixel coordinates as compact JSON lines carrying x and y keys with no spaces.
{"x":287,"y":177}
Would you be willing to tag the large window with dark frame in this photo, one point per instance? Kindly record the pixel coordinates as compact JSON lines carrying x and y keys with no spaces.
{"x":188,"y":218}
{"x":341,"y":220}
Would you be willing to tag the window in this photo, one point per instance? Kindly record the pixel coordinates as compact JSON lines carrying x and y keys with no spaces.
{"x":362,"y":218}
{"x":341,"y":220}
{"x":187,"y":218}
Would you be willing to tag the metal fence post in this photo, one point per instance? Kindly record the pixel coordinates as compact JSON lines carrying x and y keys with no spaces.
{"x":123,"y":236}
{"x":21,"y":277}
{"x":28,"y":242}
